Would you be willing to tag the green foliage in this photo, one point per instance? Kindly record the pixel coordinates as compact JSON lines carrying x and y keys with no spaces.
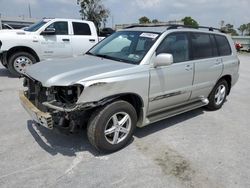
{"x":229,"y":28}
{"x":93,"y":10}
{"x":248,"y":29}
{"x":190,"y":21}
{"x":242,"y":29}
{"x":144,"y":20}
{"x":155,"y":21}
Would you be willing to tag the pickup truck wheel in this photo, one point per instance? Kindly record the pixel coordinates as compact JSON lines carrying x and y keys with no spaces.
{"x":19,"y":61}
{"x":111,"y":127}
{"x":218,"y":95}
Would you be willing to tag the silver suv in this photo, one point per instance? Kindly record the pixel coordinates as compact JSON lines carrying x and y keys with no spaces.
{"x":133,"y":78}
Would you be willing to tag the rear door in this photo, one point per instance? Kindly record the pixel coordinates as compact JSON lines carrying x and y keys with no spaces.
{"x":83,"y":38}
{"x":208,"y":64}
{"x":171,"y":85}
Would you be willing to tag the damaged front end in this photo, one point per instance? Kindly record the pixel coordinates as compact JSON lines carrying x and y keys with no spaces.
{"x":54,"y":106}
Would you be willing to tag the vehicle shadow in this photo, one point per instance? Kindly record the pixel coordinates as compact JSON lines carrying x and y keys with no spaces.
{"x":5,"y":73}
{"x":164,"y":124}
{"x":55,"y":142}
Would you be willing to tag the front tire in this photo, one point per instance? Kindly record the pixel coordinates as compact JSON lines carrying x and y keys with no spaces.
{"x":218,"y":95}
{"x":111,"y":127}
{"x":19,"y":61}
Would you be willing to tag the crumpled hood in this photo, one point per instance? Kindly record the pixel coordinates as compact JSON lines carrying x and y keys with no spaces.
{"x":64,"y":72}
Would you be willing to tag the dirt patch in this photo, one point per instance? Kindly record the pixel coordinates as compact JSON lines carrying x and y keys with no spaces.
{"x":173,"y":164}
{"x":170,"y":162}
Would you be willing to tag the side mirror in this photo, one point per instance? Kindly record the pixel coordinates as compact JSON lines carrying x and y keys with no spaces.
{"x":49,"y":31}
{"x":163,"y":59}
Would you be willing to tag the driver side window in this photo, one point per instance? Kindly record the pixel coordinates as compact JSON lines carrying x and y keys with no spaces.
{"x":177,"y":45}
{"x":60,"y":27}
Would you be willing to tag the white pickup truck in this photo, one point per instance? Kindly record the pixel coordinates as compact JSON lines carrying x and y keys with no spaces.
{"x":47,"y":39}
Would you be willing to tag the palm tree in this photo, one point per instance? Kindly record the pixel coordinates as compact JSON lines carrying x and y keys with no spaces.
{"x":243,"y":28}
{"x":248,"y":28}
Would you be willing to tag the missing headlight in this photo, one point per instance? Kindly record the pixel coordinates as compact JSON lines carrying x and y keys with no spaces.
{"x":69,"y":94}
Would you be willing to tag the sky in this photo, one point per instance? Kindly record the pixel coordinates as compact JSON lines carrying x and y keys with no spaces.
{"x":206,"y":12}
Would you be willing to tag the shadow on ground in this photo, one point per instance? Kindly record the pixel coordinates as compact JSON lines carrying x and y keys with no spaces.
{"x":164,"y":124}
{"x":55,"y":141}
{"x":5,"y":73}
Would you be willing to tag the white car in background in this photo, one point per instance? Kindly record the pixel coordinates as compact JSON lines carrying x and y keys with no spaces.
{"x":47,"y":39}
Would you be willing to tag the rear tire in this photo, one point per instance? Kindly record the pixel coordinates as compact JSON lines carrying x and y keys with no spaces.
{"x":218,"y":95}
{"x":19,"y":61}
{"x":111,"y":127}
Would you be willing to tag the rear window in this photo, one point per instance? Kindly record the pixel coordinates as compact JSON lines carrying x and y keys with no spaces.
{"x":202,"y":46}
{"x":81,"y":28}
{"x":223,"y":45}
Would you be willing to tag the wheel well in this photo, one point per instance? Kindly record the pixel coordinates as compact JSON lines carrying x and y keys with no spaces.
{"x":135,"y":101}
{"x":22,"y":49}
{"x":228,"y":78}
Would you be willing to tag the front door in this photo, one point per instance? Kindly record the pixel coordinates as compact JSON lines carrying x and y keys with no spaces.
{"x":171,"y":85}
{"x":57,"y":45}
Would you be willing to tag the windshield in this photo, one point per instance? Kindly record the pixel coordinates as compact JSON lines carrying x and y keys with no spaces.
{"x":35,"y":26}
{"x":125,"y":46}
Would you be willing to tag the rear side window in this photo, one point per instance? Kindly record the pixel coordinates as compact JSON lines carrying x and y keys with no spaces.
{"x":214,"y":46}
{"x":202,"y":46}
{"x":81,"y":28}
{"x":223,"y":45}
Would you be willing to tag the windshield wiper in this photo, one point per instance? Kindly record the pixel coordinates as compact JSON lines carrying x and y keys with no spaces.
{"x":110,"y":57}
{"x":89,"y":53}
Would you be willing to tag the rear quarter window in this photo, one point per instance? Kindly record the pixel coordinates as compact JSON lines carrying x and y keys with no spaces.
{"x":223,"y":45}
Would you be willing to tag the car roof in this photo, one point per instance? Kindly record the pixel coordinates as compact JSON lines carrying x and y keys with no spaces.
{"x":67,"y":19}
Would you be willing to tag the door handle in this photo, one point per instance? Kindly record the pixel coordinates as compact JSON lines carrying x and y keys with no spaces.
{"x":188,"y":68}
{"x":91,"y":40}
{"x":218,"y":61}
{"x":65,"y":40}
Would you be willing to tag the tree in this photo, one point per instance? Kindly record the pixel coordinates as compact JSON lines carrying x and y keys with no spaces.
{"x":144,"y":20}
{"x":229,"y":28}
{"x":93,"y":10}
{"x":242,"y":29}
{"x":248,"y":29}
{"x":155,"y":21}
{"x":190,"y":21}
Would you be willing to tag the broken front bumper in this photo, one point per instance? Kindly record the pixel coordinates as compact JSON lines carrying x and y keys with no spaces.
{"x":44,"y":119}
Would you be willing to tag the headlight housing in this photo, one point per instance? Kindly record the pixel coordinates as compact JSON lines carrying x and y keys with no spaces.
{"x":68,"y":94}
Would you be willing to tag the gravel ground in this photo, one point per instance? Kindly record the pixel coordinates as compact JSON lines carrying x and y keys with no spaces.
{"x":196,"y":149}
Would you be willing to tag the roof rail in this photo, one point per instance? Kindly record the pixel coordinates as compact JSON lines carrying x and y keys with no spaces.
{"x":175,"y":26}
{"x":146,"y":25}
{"x":195,"y":27}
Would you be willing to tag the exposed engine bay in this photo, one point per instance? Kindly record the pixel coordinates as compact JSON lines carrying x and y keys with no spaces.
{"x":60,"y":102}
